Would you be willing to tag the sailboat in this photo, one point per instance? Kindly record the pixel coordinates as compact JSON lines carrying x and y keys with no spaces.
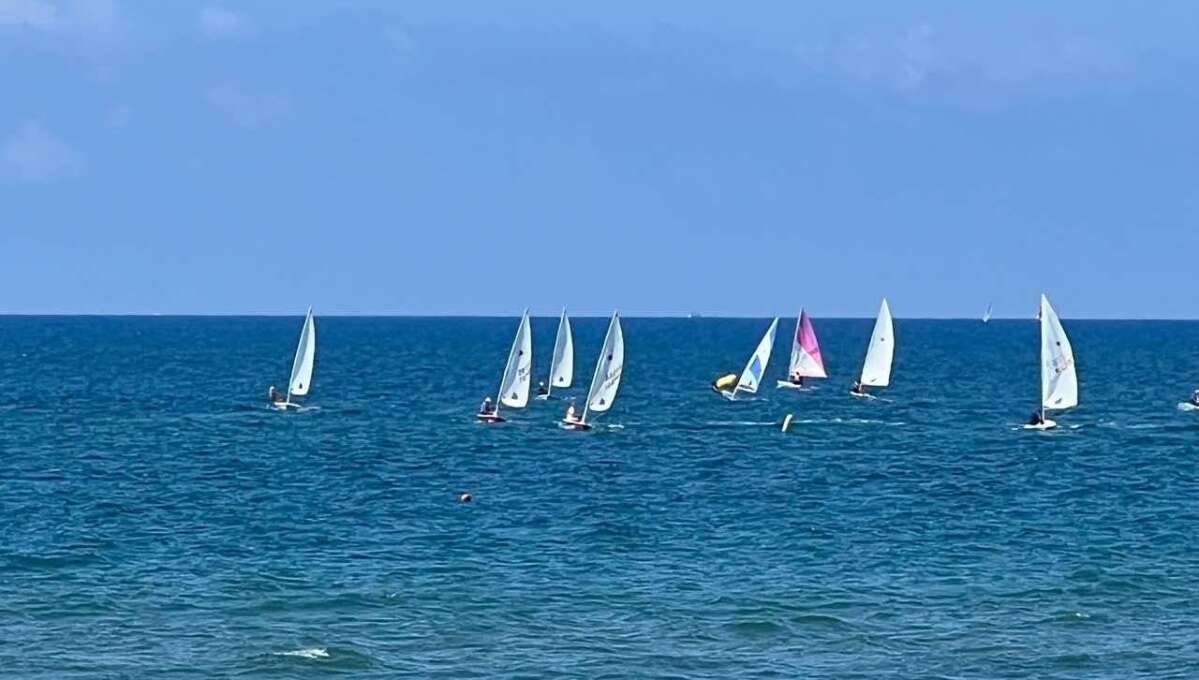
{"x":987,"y":314}
{"x":606,"y":381}
{"x":876,"y":369}
{"x":562,"y":365}
{"x":301,"y":367}
{"x":1059,"y":378}
{"x":751,"y":377}
{"x":514,"y":385}
{"x":806,"y":361}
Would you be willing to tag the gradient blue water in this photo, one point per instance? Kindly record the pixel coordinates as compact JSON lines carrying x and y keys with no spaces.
{"x":158,"y":521}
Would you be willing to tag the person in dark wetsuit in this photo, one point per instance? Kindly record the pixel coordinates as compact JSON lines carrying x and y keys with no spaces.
{"x":1195,"y":398}
{"x":487,"y":408}
{"x":1036,"y":419}
{"x":541,"y":389}
{"x":858,"y":388}
{"x":275,"y":395}
{"x":797,"y":379}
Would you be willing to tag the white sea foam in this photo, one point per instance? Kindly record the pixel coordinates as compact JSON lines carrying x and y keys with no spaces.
{"x":307,"y":653}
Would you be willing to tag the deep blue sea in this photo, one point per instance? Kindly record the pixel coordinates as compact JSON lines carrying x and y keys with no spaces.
{"x":157,"y":520}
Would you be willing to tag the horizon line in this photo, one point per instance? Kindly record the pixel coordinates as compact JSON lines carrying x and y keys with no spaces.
{"x":585,"y":315}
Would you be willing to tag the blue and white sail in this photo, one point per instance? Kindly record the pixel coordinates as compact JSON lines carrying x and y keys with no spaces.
{"x":751,"y":377}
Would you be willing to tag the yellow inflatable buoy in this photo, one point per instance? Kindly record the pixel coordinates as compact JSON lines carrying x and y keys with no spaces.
{"x":725,"y":382}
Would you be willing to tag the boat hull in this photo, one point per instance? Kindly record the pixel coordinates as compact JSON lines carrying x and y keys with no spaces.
{"x":1047,"y":425}
{"x":489,"y":418}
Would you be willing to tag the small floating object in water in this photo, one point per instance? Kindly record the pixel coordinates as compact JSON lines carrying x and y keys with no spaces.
{"x":787,"y":421}
{"x":465,"y":497}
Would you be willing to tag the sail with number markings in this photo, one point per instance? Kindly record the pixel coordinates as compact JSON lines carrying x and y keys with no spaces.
{"x":1059,"y":377}
{"x":514,"y":386}
{"x":608,"y":370}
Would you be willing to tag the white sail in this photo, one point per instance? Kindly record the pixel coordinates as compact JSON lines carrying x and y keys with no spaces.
{"x":514,"y":387}
{"x":301,"y":367}
{"x":1059,"y":379}
{"x":876,"y":369}
{"x":562,"y":365}
{"x":751,"y":377}
{"x":608,"y":370}
{"x":987,"y":314}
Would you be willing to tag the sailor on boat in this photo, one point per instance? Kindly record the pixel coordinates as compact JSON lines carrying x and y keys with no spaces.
{"x":796,"y":379}
{"x":1036,"y":419}
{"x":1195,"y":398}
{"x":858,"y":388}
{"x":275,"y":395}
{"x":571,"y":416}
{"x":487,"y":408}
{"x":541,"y":389}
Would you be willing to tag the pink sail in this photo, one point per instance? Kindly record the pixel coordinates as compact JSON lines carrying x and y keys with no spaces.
{"x":806,"y":361}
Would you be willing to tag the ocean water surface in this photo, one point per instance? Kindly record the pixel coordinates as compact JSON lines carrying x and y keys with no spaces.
{"x":158,"y":521}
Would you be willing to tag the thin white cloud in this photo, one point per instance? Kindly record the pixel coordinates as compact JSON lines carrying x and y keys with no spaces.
{"x":248,"y":108}
{"x":33,"y":153}
{"x":218,"y":22}
{"x":922,"y":58}
{"x":92,"y":19}
{"x":31,"y":13}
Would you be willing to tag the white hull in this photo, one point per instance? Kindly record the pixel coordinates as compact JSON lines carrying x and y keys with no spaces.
{"x":284,"y":405}
{"x":788,"y":385}
{"x":865,"y":395}
{"x":1047,"y":425}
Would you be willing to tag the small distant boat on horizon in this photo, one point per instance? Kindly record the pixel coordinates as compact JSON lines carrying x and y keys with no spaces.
{"x":301,"y":367}
{"x":605,"y":382}
{"x":987,"y":314}
{"x":1059,"y":376}
{"x":880,"y":353}
{"x":515,"y":383}
{"x":806,"y":361}
{"x":562,"y":363}
{"x":751,"y":377}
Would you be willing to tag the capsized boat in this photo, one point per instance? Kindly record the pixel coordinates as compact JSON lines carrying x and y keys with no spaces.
{"x":301,"y":367}
{"x":515,"y":383}
{"x":806,"y":361}
{"x":1059,"y":377}
{"x":876,"y":368}
{"x":751,"y":377}
{"x":562,"y":364}
{"x":606,"y":381}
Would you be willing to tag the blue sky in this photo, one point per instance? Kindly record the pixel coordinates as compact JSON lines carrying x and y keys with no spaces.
{"x":480,"y":157}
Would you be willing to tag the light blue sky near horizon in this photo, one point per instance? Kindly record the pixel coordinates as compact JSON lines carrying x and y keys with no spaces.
{"x":661,"y":158}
